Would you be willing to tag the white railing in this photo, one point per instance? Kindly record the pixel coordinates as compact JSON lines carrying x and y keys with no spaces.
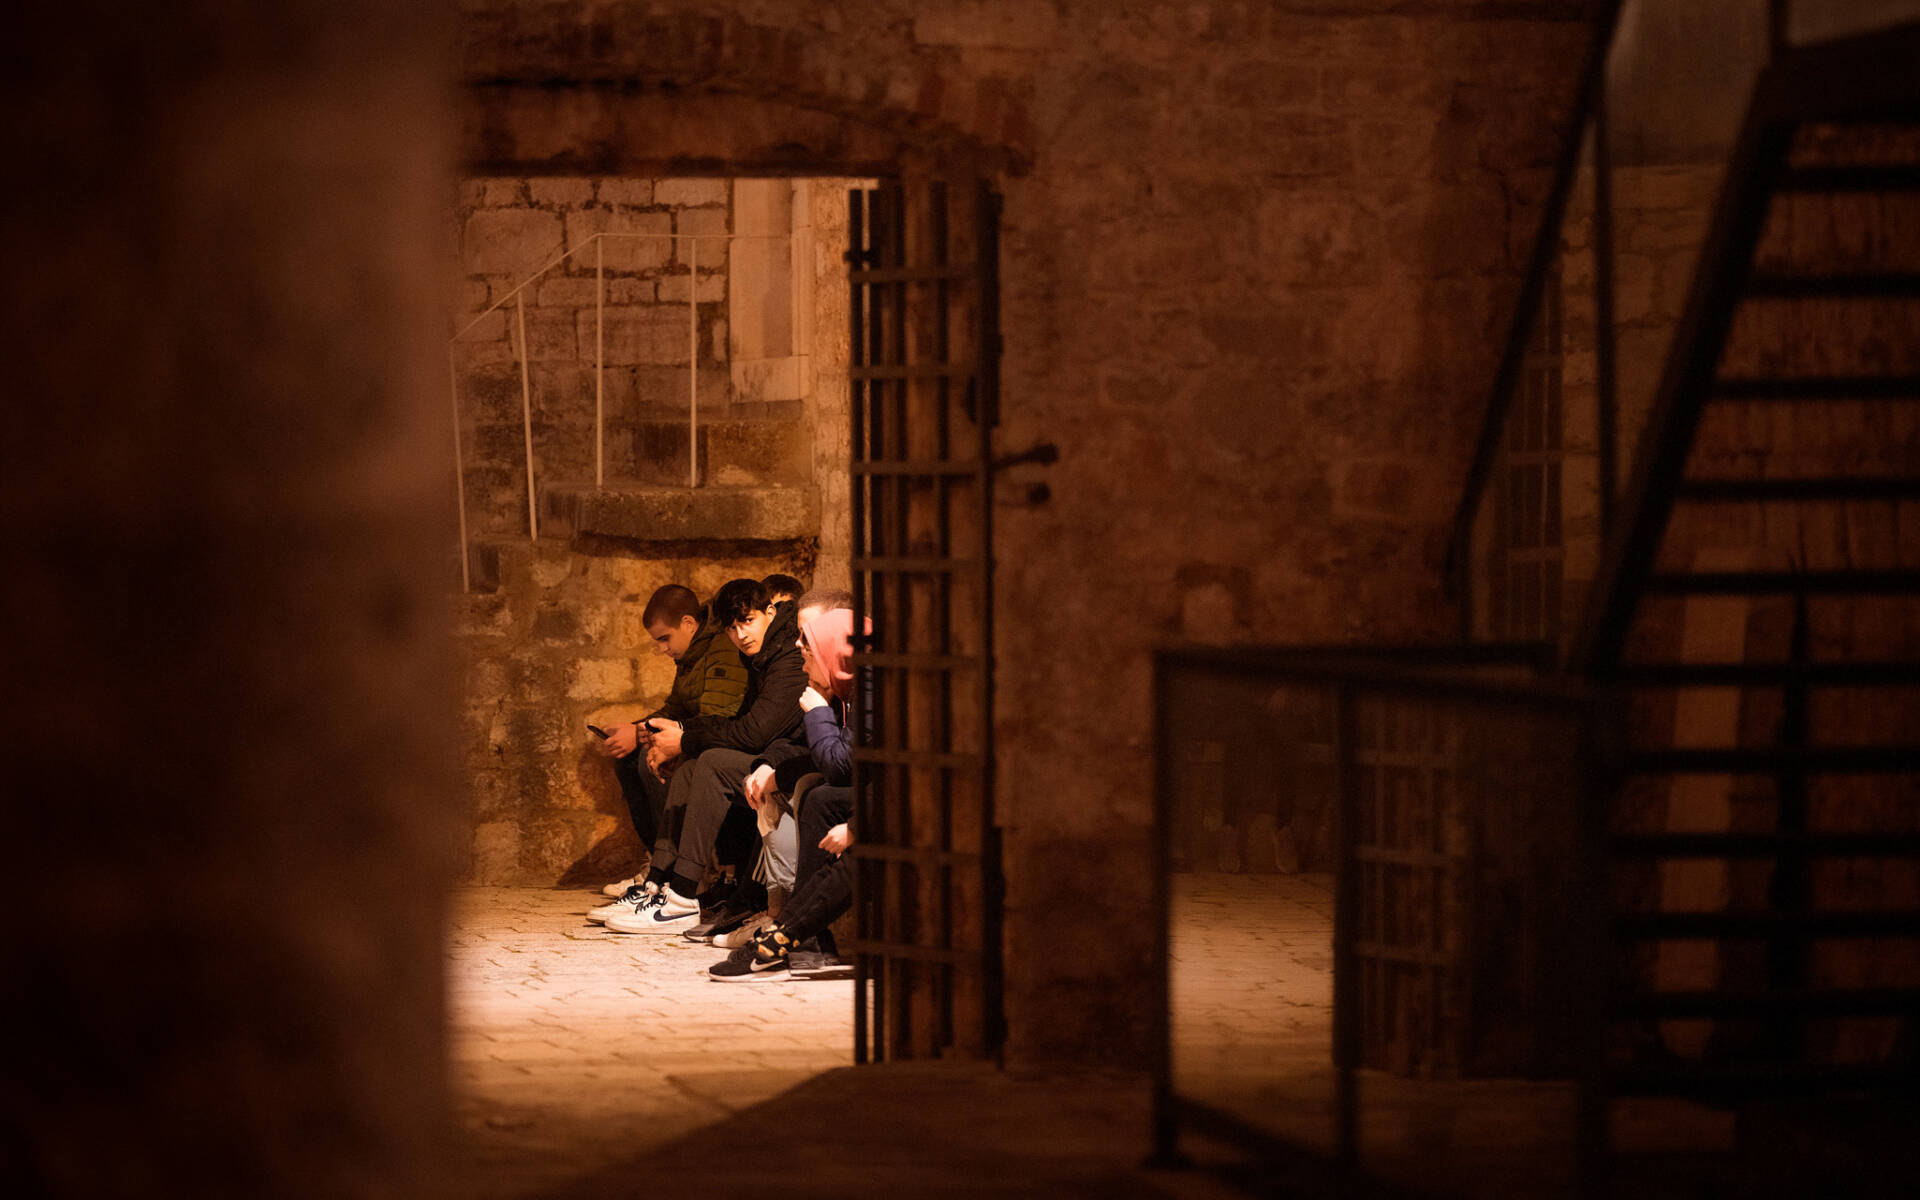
{"x":518,"y":296}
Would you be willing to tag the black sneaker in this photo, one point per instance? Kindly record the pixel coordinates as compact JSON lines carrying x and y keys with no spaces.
{"x":724,"y":919}
{"x":763,"y":958}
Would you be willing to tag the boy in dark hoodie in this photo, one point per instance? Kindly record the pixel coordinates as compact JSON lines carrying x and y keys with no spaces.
{"x":709,"y":679}
{"x":717,"y":753}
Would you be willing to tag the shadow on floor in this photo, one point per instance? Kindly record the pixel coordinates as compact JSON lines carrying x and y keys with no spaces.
{"x":911,"y":1129}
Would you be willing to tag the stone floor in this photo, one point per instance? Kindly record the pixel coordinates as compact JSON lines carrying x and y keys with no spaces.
{"x":573,"y":1047}
{"x":594,"y":1064}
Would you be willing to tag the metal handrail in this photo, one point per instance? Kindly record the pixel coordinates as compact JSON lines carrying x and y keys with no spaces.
{"x":516,"y":294}
{"x":1533,"y":286}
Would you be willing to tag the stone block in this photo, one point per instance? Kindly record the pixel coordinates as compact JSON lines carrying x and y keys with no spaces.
{"x":619,"y":251}
{"x":632,"y":193}
{"x":1269,"y":85}
{"x":496,"y":853}
{"x":688,"y":193}
{"x":601,"y":679}
{"x":503,"y":193}
{"x":766,"y":380}
{"x":673,"y":289}
{"x":1030,"y":25}
{"x":1317,"y":237}
{"x":561,"y":191}
{"x":755,"y":452}
{"x":641,"y":334}
{"x":512,"y":242}
{"x":572,"y":291}
{"x":631,"y":291}
{"x":709,"y":225}
{"x":550,"y":335}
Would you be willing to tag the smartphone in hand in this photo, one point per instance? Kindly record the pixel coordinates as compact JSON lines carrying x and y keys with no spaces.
{"x":596,"y":731}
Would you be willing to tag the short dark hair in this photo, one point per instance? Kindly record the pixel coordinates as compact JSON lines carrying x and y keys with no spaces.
{"x":739,"y":599}
{"x":826,"y":599}
{"x":777,"y":584}
{"x":670,"y":605}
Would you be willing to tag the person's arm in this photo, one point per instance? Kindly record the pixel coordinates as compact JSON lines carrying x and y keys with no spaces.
{"x":770,"y":716}
{"x":830,"y":745}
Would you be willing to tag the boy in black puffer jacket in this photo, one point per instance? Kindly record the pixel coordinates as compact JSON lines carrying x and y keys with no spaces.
{"x":718,"y":753}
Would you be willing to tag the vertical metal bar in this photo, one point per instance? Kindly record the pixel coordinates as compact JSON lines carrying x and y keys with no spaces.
{"x":1598,"y":773}
{"x":856,"y":398}
{"x":599,"y":360}
{"x":526,"y":413}
{"x":693,"y":363}
{"x":1604,"y":375}
{"x":459,"y":472}
{"x":1779,"y":28}
{"x":1790,"y":893}
{"x":987,"y":389}
{"x":1165,"y":1128}
{"x":1346,"y":917}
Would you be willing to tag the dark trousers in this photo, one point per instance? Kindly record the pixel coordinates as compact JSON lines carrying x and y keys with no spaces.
{"x":700,"y":798}
{"x":823,"y":884}
{"x":646,"y":796}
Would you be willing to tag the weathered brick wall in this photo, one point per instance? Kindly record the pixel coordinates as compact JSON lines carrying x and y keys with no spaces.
{"x":1257,"y":261}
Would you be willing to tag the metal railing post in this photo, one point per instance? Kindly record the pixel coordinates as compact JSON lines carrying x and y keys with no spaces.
{"x":599,"y":360}
{"x":526,"y":414}
{"x":1347,"y":1050}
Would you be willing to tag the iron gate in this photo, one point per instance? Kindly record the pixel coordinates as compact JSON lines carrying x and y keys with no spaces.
{"x":923,"y":268}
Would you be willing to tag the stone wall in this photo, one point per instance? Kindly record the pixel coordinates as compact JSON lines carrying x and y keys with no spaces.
{"x":550,"y":637}
{"x":1257,"y":263}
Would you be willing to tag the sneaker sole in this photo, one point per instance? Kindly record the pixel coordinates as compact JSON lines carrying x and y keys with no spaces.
{"x":751,"y":976}
{"x":675,"y":925}
{"x":824,"y":974}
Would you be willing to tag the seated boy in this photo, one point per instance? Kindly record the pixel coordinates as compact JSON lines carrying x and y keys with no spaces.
{"x":709,"y":679}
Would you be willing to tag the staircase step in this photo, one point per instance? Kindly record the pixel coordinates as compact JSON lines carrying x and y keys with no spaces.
{"x":1752,"y":1081}
{"x":1754,"y":583}
{"x":1651,"y":927}
{"x":1824,"y":387}
{"x":1759,"y":759}
{"x":1764,"y":845}
{"x":1888,"y":177}
{"x":1769,"y":674}
{"x":1716,"y":491}
{"x":1790,"y":1002}
{"x":672,"y":514}
{"x":1899,"y":285}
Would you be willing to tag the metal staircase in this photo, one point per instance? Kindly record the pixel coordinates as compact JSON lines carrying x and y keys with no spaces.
{"x":1758,"y":608}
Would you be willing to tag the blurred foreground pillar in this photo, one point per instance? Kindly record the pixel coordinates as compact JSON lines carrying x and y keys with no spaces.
{"x":225,"y":498}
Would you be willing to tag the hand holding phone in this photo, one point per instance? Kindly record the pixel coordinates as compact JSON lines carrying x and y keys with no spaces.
{"x":596,"y":731}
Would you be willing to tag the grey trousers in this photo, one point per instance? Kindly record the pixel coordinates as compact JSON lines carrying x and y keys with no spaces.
{"x":698,"y":801}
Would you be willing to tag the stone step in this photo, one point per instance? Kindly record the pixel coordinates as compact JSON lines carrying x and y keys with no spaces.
{"x":731,"y":453}
{"x":655,"y":513}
